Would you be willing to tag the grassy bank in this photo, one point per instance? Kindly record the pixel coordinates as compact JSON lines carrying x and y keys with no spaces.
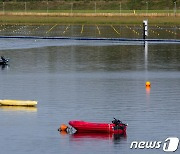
{"x":30,"y":5}
{"x":137,"y":8}
{"x":12,"y":19}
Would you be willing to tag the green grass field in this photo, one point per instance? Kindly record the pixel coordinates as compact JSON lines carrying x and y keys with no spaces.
{"x":94,"y":11}
{"x":12,"y":19}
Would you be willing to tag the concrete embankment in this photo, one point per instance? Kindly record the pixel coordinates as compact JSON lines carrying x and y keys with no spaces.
{"x":92,"y":14}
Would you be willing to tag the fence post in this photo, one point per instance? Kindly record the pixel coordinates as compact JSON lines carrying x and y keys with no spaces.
{"x":25,"y":6}
{"x":174,"y":8}
{"x":147,"y":8}
{"x":95,"y":7}
{"x":47,"y":7}
{"x":120,"y":8}
{"x":3,"y":7}
{"x":71,"y":7}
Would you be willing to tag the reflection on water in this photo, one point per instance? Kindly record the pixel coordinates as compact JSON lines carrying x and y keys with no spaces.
{"x":93,"y":141}
{"x":98,"y":136}
{"x":77,"y":136}
{"x":18,"y":108}
{"x":148,"y":90}
{"x":4,"y":67}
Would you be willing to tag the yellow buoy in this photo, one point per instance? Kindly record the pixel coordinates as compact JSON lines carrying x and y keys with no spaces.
{"x":63,"y":127}
{"x":18,"y":108}
{"x":148,"y":84}
{"x":18,"y":102}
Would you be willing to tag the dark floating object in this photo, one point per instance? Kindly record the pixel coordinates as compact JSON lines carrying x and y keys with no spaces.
{"x":4,"y":61}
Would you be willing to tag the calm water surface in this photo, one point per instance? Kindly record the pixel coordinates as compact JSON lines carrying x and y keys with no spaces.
{"x":93,"y":81}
